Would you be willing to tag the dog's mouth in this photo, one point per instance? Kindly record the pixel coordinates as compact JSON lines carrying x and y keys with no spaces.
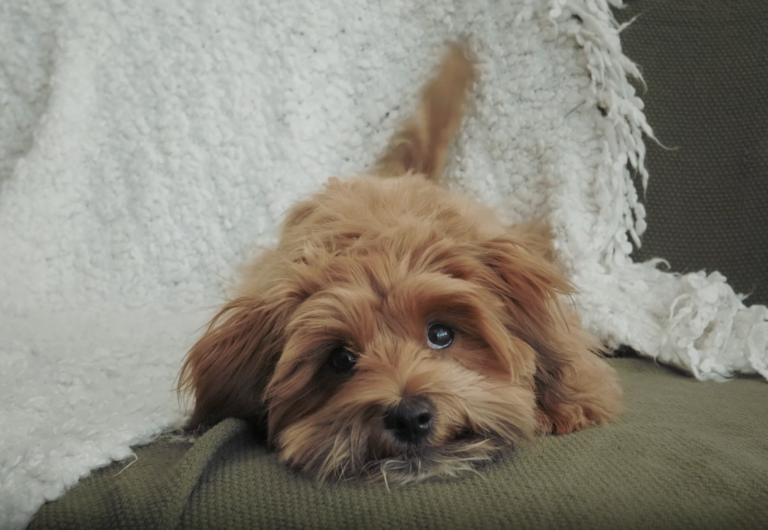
{"x":410,"y":462}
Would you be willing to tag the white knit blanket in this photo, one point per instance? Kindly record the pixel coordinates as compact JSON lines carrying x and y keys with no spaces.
{"x":147,"y":149}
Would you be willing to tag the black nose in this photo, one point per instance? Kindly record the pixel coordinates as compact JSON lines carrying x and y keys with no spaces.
{"x":410,"y":420}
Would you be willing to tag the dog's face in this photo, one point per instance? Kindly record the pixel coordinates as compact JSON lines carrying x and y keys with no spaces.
{"x":396,"y":331}
{"x":400,"y":352}
{"x":401,"y":361}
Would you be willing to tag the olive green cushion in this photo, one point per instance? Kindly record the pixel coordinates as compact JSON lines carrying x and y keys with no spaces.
{"x":686,"y":454}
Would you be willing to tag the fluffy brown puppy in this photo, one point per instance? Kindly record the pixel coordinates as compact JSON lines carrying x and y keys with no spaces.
{"x":398,"y":330}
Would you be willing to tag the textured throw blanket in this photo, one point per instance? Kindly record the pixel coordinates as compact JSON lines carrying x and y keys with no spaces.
{"x":147,"y":150}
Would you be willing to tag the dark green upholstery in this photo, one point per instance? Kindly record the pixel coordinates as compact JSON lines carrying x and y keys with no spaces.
{"x":706,"y":67}
{"x":685,"y":455}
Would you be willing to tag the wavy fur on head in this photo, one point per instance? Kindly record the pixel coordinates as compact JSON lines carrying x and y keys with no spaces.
{"x":366,"y":266}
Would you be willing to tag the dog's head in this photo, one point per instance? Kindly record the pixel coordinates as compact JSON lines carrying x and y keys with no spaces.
{"x":390,"y":332}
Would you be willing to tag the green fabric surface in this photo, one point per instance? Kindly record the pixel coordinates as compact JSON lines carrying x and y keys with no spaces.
{"x":706,"y":67}
{"x":685,"y":455}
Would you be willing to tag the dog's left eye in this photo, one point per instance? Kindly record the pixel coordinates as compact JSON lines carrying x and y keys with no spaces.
{"x":342,"y":360}
{"x":439,"y":336}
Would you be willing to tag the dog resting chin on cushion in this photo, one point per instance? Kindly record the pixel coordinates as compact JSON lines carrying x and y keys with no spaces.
{"x":398,"y":330}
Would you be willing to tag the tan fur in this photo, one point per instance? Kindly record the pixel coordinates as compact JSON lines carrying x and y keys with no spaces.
{"x":369,"y":263}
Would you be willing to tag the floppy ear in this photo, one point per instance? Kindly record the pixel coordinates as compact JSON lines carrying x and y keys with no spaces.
{"x":574,"y":387}
{"x":232,"y":363}
{"x":527,"y":281}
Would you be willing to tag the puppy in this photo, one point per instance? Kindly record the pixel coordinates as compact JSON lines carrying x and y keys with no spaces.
{"x":398,"y":330}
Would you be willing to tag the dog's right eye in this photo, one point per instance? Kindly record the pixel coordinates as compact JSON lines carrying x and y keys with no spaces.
{"x":342,"y":360}
{"x":439,"y":336}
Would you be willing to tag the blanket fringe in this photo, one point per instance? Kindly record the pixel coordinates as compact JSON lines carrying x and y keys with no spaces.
{"x":695,"y":321}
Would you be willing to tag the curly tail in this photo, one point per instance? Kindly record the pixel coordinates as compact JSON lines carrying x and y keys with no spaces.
{"x":422,"y":144}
